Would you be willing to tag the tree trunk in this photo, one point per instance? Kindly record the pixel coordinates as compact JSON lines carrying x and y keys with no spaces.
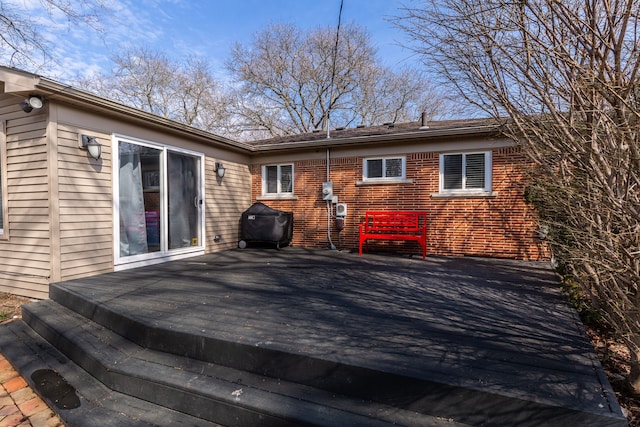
{"x":633,"y":380}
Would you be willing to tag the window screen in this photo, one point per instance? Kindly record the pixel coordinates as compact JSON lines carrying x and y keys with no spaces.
{"x":286,"y":178}
{"x":388,"y":167}
{"x":465,"y":171}
{"x":474,"y":171}
{"x":453,"y":171}
{"x":393,"y":168}
{"x":272,"y":179}
{"x":278,"y":179}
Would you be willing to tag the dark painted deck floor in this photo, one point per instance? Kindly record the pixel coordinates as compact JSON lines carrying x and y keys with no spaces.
{"x":496,"y":327}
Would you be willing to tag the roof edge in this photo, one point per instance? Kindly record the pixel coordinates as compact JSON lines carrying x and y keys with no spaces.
{"x":55,"y":90}
{"x":484,"y":130}
{"x":25,"y":82}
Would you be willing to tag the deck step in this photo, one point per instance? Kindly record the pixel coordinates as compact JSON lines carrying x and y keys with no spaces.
{"x":202,"y":389}
{"x":435,"y":394}
{"x":99,"y":405}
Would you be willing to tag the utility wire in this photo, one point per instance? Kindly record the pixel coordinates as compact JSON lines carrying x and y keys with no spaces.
{"x":333,"y":69}
{"x":333,"y":77}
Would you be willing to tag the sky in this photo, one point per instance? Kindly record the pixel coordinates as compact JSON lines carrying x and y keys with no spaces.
{"x":209,"y":29}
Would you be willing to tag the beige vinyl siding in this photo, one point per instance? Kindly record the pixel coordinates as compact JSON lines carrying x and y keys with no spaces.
{"x":85,"y":206}
{"x":59,"y":201}
{"x":26,"y":253}
{"x":226,"y":199}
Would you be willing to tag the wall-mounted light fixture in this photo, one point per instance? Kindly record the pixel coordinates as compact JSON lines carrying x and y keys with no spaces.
{"x":33,"y":101}
{"x":91,"y":144}
{"x":219,"y":169}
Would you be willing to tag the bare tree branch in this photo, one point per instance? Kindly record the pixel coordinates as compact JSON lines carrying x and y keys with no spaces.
{"x":183,"y":91}
{"x":21,"y":41}
{"x":286,"y":79}
{"x":566,"y":75}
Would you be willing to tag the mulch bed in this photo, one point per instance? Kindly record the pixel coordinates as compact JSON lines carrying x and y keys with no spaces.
{"x":10,"y":306}
{"x":614,"y":357}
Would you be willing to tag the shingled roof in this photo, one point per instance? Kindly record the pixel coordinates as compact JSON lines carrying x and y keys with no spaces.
{"x":382,"y":133}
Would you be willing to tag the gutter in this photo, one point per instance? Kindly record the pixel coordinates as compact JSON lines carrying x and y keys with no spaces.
{"x":484,"y":130}
{"x":56,"y":91}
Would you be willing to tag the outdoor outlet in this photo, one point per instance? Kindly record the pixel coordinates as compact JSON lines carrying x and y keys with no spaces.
{"x":334,"y":199}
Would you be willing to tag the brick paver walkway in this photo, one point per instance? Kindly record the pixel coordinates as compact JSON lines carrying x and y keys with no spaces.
{"x":19,"y":405}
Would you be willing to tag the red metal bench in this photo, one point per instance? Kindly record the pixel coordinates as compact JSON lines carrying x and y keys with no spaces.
{"x":395,"y":225}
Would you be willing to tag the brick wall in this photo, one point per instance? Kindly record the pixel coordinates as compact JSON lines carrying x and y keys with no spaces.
{"x":499,"y":226}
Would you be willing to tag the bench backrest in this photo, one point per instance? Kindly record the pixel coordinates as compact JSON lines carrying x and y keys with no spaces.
{"x":398,"y":221}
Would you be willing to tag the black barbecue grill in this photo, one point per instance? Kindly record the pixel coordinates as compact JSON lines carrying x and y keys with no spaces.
{"x":263,"y":224}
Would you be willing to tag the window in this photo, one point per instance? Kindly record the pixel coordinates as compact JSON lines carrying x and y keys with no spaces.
{"x":465,"y":173}
{"x":277,"y":179}
{"x":2,"y":179}
{"x":159,"y":211}
{"x":383,"y":168}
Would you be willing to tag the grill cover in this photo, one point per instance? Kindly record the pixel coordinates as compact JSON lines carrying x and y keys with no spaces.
{"x":260,"y":223}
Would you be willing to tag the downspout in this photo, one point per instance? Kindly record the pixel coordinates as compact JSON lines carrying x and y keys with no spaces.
{"x":328,"y":165}
{"x":331,"y":245}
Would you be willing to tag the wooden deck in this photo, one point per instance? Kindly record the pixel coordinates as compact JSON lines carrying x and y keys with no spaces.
{"x":442,"y":341}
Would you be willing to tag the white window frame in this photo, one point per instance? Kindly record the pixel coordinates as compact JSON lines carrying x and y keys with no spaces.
{"x":488,"y":166}
{"x":4,"y":210}
{"x":279,"y":192}
{"x":164,"y":255}
{"x":383,"y":178}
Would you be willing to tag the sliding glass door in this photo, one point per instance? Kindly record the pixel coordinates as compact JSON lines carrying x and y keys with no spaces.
{"x":139,"y":197}
{"x":159,"y":193}
{"x":183,"y":196}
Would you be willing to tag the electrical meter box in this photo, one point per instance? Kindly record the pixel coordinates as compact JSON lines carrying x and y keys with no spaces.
{"x":327,"y":191}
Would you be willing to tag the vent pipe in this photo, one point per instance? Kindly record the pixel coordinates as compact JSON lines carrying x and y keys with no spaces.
{"x":424,"y":121}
